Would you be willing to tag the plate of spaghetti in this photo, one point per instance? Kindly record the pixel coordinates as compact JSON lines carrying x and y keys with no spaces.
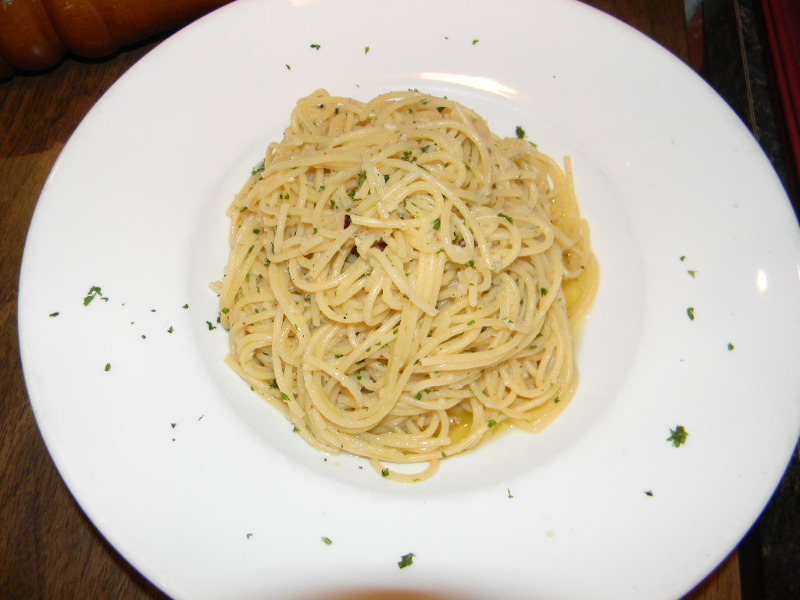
{"x":408,"y":313}
{"x":409,"y":279}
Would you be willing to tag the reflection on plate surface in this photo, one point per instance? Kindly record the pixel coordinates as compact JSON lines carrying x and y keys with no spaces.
{"x":205,"y":489}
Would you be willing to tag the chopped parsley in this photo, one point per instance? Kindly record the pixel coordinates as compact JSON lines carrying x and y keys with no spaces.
{"x":384,"y":472}
{"x":475,"y":42}
{"x":520,"y":132}
{"x":54,"y":314}
{"x":256,"y":169}
{"x":509,"y":492}
{"x":506,"y":217}
{"x":316,"y":46}
{"x":692,"y":273}
{"x":366,"y":49}
{"x":648,"y":493}
{"x":491,"y":423}
{"x":108,"y":367}
{"x":731,"y":347}
{"x":406,"y":560}
{"x":437,"y":223}
{"x":94,"y":292}
{"x":326,"y":540}
{"x":690,"y":312}
{"x":170,"y":330}
{"x":678,"y":436}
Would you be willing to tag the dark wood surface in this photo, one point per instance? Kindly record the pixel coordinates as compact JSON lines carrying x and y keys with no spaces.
{"x":48,"y":547}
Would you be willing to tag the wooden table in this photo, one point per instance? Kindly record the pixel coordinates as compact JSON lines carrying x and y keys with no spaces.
{"x":48,"y":547}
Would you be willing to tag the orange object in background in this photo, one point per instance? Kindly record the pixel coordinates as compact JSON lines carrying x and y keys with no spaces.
{"x":37,"y":34}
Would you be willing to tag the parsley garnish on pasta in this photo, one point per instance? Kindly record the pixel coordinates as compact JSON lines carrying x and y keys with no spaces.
{"x":391,"y":263}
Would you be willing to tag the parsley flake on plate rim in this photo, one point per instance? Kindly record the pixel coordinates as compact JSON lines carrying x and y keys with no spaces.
{"x":406,"y":560}
{"x":678,"y":436}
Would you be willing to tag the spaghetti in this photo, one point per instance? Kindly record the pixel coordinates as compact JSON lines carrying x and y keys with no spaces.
{"x":401,"y":280}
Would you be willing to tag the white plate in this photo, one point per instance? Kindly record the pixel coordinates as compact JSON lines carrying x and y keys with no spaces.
{"x":205,"y":489}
